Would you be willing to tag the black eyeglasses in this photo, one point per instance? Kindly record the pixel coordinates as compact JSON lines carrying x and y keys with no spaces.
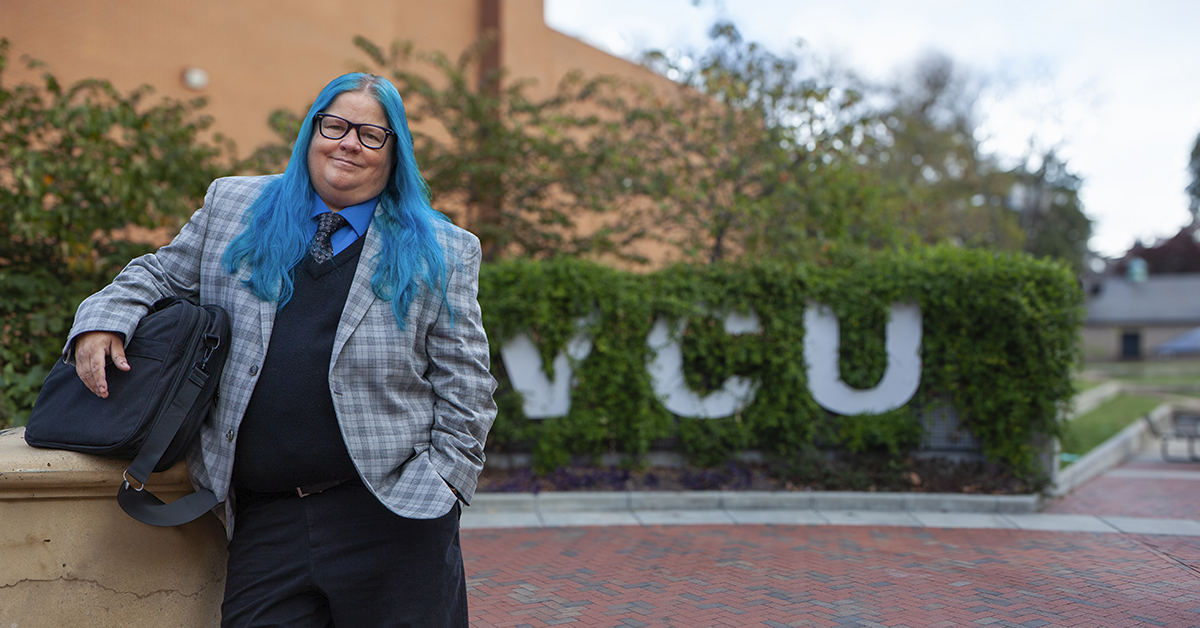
{"x":369,"y":135}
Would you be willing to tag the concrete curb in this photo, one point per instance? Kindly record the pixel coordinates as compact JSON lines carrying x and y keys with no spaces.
{"x":1112,"y":453}
{"x":649,"y":501}
{"x":493,"y":511}
{"x":1092,"y":398}
{"x":567,"y":510}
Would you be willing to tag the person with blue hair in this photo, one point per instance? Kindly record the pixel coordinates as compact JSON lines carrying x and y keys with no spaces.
{"x":357,"y":395}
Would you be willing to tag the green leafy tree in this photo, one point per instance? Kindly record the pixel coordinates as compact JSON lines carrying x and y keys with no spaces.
{"x":1046,"y":199}
{"x":273,"y":156}
{"x":526,"y":174}
{"x":78,"y":165}
{"x":1193,"y":188}
{"x":927,"y":154}
{"x":743,"y":158}
{"x":751,"y":157}
{"x":749,"y":154}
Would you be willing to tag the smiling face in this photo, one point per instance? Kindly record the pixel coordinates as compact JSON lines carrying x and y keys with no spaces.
{"x":344,"y":172}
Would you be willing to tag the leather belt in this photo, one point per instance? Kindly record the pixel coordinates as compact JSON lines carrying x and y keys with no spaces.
{"x":313,"y":489}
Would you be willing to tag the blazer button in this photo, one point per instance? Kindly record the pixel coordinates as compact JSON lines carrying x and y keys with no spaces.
{"x":254,"y":370}
{"x":229,"y":435}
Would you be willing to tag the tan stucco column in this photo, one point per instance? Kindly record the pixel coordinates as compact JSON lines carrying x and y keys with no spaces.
{"x":69,"y":556}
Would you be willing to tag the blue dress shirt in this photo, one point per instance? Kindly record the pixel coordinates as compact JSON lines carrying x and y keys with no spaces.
{"x":359,"y":217}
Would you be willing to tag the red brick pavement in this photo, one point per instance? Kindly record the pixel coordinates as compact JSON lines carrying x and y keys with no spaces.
{"x":1110,"y":495}
{"x":776,"y":576}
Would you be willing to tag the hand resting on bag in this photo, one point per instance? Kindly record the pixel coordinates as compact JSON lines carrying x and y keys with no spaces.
{"x":92,"y":350}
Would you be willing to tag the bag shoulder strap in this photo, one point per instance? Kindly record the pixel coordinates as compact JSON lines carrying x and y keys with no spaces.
{"x":140,"y":503}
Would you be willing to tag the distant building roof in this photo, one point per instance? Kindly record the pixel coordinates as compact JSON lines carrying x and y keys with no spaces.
{"x":1172,"y":299}
{"x":1178,"y":254}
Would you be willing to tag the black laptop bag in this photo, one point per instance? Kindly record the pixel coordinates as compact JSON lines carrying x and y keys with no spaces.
{"x":153,"y":411}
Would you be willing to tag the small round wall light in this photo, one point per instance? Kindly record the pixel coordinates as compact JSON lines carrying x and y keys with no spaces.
{"x":195,"y":78}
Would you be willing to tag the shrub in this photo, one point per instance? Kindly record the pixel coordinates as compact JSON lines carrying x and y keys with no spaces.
{"x":999,"y":343}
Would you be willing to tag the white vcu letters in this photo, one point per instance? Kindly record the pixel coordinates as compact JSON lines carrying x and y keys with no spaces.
{"x":544,"y":398}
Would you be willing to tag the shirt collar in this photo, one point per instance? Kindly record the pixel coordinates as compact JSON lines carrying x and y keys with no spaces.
{"x":359,"y":216}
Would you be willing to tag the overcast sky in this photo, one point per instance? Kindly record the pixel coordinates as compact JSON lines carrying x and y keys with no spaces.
{"x":1114,"y":84}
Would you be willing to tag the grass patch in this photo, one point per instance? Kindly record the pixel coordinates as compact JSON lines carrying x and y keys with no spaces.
{"x":1162,"y":381}
{"x":1145,"y":369}
{"x":1087,"y":431}
{"x":1172,"y":375}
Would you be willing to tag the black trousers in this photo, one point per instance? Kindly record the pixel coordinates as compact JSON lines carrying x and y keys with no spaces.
{"x":341,"y":558}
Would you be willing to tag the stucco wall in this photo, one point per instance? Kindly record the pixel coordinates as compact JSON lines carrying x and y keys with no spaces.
{"x":70,"y":557}
{"x":266,"y":54}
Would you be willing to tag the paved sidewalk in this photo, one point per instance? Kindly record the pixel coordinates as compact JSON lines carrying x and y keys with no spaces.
{"x":1122,"y":550}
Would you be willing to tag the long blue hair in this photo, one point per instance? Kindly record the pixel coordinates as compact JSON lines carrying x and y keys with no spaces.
{"x":276,"y":234}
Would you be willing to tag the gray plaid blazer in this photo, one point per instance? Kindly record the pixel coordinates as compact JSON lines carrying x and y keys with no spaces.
{"x":414,"y":406}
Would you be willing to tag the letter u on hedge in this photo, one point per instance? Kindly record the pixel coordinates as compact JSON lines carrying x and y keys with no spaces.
{"x":900,"y":381}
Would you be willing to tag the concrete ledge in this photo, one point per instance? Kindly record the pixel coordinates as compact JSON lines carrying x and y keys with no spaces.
{"x":31,"y":473}
{"x":72,"y":557}
{"x":1112,"y":453}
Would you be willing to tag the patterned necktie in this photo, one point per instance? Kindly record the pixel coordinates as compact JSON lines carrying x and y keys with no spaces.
{"x":320,"y":248}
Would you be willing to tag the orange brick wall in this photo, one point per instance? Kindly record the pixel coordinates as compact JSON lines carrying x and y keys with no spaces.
{"x":262,"y":55}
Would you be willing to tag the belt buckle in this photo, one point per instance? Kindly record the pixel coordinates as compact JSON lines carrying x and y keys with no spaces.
{"x":317,"y":488}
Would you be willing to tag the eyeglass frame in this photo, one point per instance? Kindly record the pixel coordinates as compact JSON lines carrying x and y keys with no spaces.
{"x":351,"y":126}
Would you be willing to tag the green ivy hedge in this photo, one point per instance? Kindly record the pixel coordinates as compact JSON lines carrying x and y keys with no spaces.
{"x":999,"y":344}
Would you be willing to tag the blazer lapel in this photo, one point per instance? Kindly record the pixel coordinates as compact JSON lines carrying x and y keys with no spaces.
{"x":361,"y":295}
{"x":266,"y":315}
{"x":248,"y":303}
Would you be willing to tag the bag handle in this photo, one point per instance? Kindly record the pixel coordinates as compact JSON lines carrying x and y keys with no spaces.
{"x":140,"y":503}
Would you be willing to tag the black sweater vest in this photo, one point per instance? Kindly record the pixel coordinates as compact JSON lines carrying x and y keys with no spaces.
{"x":289,"y":435}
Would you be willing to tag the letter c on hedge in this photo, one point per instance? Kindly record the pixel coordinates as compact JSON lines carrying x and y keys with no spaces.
{"x":666,"y":373}
{"x":900,"y":381}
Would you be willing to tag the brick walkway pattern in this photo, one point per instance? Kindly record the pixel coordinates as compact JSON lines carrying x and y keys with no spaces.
{"x":777,"y":576}
{"x":1114,"y":494}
